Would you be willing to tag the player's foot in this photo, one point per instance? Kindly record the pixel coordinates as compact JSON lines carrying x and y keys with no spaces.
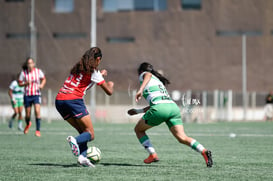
{"x":27,"y":128}
{"x":38,"y":133}
{"x":10,"y":123}
{"x":152,"y":158}
{"x":20,"y":128}
{"x":85,"y":162}
{"x":208,"y":158}
{"x":74,"y":145}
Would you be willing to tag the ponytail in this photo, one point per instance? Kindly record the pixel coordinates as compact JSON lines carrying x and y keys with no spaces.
{"x":149,"y":68}
{"x":164,"y":80}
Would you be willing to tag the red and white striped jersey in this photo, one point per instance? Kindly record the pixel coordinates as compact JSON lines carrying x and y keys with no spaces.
{"x":75,"y":86}
{"x":35,"y":77}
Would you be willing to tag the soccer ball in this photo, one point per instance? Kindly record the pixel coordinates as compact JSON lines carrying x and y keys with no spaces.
{"x":93,"y":154}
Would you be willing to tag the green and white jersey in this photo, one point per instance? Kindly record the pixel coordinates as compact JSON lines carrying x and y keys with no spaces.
{"x":17,"y":91}
{"x":155,"y":92}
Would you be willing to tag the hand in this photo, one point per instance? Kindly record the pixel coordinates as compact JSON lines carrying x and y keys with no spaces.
{"x":103,"y":72}
{"x":138,"y":95}
{"x":28,"y":83}
{"x":110,"y":84}
{"x":41,"y":87}
{"x":132,"y":112}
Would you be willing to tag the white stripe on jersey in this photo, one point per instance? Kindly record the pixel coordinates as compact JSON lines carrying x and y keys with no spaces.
{"x":34,"y":77}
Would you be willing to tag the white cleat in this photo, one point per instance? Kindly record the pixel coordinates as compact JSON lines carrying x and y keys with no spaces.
{"x":85,"y":162}
{"x":74,"y":145}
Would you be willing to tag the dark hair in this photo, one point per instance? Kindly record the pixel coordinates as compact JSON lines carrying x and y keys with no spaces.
{"x":87,"y":62}
{"x":24,"y":66}
{"x":147,"y":67}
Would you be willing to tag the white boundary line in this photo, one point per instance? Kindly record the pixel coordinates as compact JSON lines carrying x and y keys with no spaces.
{"x":14,"y":132}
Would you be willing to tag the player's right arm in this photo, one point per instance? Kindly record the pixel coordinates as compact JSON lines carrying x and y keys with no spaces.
{"x":108,"y":87}
{"x":10,"y":95}
{"x":21,"y":80}
{"x":147,"y":78}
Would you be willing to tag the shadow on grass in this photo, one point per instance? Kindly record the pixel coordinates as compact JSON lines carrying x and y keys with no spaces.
{"x":54,"y":165}
{"x":127,"y":165}
{"x":104,"y":164}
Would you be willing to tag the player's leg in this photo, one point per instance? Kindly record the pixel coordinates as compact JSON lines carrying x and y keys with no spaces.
{"x":87,"y":133}
{"x":140,"y":130}
{"x":71,"y":140}
{"x":85,"y":127}
{"x":37,"y":108}
{"x":179,"y":134}
{"x":27,"y":119}
{"x":16,"y":112}
{"x":13,"y":104}
{"x":20,"y":117}
{"x":27,"y":104}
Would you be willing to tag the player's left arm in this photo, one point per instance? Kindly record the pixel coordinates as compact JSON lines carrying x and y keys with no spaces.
{"x":137,"y":111}
{"x":42,"y":79}
{"x":43,"y":82}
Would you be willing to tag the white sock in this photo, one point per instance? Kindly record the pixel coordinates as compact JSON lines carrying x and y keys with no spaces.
{"x":148,"y":146}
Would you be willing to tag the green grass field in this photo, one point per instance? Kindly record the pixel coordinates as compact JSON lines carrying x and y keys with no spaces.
{"x":249,"y":156}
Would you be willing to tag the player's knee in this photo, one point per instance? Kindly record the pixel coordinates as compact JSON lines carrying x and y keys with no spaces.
{"x":136,"y":129}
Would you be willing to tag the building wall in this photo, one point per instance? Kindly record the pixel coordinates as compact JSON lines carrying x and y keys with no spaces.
{"x":182,"y":43}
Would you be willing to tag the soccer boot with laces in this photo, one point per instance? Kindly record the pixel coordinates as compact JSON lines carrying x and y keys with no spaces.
{"x":27,"y":128}
{"x":151,"y":158}
{"x":208,"y":157}
{"x":74,"y":145}
{"x":85,"y":162}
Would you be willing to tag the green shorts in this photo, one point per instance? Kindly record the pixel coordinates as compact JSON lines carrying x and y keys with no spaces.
{"x":17,"y":103}
{"x":159,"y":113}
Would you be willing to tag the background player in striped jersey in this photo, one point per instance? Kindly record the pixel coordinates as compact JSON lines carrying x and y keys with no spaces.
{"x":16,"y":94}
{"x":161,"y":109}
{"x":70,"y":104}
{"x":33,"y":79}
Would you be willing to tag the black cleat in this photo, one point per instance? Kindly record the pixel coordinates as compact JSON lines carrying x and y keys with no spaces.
{"x":208,"y":157}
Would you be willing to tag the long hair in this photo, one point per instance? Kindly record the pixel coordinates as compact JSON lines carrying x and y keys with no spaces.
{"x":24,"y":66}
{"x":147,"y":67}
{"x":87,"y":62}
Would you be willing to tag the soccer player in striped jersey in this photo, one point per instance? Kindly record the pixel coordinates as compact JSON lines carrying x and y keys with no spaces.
{"x":70,"y":103}
{"x":33,"y":79}
{"x":16,"y":94}
{"x":161,"y":109}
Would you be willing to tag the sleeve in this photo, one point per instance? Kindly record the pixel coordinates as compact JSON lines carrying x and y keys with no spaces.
{"x":97,"y":77}
{"x":141,"y":76}
{"x":41,"y":74}
{"x":21,"y":77}
{"x":12,"y":85}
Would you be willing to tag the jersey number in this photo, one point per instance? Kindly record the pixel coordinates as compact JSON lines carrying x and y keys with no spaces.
{"x":76,"y":81}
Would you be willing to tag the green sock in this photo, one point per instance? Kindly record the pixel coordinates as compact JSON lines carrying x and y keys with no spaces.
{"x":197,"y":146}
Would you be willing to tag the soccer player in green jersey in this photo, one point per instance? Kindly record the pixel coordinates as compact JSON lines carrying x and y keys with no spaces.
{"x":16,"y":94}
{"x":161,"y":109}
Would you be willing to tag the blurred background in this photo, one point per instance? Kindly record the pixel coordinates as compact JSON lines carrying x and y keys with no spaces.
{"x":216,"y":53}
